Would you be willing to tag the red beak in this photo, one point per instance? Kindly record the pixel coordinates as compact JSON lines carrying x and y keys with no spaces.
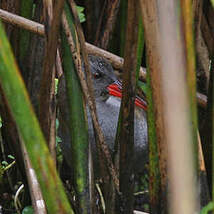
{"x":116,"y":91}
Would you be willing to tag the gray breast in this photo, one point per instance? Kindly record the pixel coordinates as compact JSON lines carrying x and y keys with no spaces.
{"x":108,"y":112}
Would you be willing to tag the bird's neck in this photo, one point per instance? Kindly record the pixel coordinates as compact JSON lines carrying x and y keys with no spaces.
{"x":115,"y":89}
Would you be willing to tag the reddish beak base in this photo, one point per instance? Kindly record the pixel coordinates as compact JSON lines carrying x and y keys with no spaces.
{"x":114,"y":90}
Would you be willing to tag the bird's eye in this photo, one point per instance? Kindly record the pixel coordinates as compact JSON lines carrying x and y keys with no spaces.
{"x":97,"y":75}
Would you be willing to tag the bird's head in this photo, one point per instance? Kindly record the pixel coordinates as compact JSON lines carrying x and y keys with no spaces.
{"x":102,"y":74}
{"x":106,"y":82}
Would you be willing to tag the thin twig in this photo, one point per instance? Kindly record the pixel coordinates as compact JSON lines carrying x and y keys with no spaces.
{"x":47,"y":110}
{"x":22,"y":22}
{"x":101,"y":198}
{"x":34,"y":187}
{"x":59,"y":70}
{"x":200,"y":154}
{"x":9,"y":166}
{"x":107,"y":22}
{"x":16,"y":199}
{"x":99,"y":24}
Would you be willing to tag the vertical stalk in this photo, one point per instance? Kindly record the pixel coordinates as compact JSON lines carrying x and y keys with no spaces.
{"x":211,"y":112}
{"x":123,"y":22}
{"x":47,"y":110}
{"x":186,"y":9}
{"x":79,"y":138}
{"x":26,"y":10}
{"x":157,"y":141}
{"x":177,"y":121}
{"x":78,"y":147}
{"x":126,"y":135}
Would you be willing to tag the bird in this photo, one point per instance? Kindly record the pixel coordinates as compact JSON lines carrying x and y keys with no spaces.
{"x":107,"y":92}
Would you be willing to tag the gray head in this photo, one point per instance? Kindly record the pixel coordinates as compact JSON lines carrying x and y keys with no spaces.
{"x":102,"y":74}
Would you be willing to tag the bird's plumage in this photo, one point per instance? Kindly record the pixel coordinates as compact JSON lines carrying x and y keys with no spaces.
{"x":108,"y":110}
